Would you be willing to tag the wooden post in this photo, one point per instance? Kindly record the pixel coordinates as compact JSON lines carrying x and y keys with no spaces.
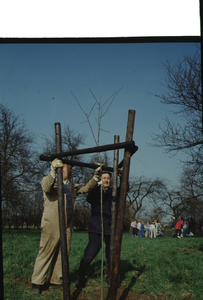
{"x":113,"y":208}
{"x":77,"y":163}
{"x":121,"y":209}
{"x":126,"y":145}
{"x":129,"y":145}
{"x":62,"y":222}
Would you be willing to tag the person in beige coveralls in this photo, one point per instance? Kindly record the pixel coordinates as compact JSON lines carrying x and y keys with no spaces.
{"x":50,"y":248}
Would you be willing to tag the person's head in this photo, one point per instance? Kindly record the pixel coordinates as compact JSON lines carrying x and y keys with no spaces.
{"x":67,"y":171}
{"x":106,"y":179}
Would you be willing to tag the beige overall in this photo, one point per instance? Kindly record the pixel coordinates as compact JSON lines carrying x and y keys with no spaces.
{"x":50,"y":249}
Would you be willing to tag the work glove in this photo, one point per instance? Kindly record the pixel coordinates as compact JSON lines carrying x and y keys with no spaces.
{"x":98,"y":170}
{"x":56,"y":163}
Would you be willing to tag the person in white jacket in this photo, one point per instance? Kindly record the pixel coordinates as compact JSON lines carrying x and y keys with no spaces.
{"x":153,"y":230}
{"x":139,"y":229}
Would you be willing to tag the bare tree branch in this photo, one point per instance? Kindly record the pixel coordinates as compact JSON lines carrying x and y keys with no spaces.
{"x":184,"y":95}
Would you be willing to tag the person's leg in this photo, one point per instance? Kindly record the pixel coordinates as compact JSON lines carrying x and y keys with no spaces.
{"x":48,"y":245}
{"x":108,"y":256}
{"x":56,"y":266}
{"x":107,"y":242}
{"x":56,"y":275}
{"x":92,"y":249}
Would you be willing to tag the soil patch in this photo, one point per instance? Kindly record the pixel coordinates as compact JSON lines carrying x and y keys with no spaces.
{"x":123,"y":293}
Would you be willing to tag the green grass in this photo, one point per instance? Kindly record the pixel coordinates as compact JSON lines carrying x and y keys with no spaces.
{"x":147,"y":266}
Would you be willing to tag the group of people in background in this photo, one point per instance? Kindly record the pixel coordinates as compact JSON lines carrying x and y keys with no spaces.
{"x":180,"y":226}
{"x":150,"y":229}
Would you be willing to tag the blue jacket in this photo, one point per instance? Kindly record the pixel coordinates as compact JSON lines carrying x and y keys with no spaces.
{"x":94,"y":199}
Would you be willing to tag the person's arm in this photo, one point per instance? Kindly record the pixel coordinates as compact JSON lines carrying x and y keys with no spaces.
{"x":91,"y":183}
{"x":48,"y":181}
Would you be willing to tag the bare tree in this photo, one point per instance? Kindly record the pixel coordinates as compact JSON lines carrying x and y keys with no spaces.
{"x":172,"y":202}
{"x":101,"y":111}
{"x":183,"y":201}
{"x":71,"y":140}
{"x":18,"y":170}
{"x":184,"y":96}
{"x":192,"y":187}
{"x":156,"y":213}
{"x":141,"y":192}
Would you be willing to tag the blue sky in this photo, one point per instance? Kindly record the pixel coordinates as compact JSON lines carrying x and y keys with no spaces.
{"x":36,"y":81}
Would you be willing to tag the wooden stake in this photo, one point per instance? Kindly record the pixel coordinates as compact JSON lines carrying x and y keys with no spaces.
{"x":113,"y":208}
{"x":62,"y":222}
{"x":121,"y":209}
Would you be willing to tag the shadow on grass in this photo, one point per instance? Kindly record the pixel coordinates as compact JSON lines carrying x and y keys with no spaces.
{"x":94,"y":271}
{"x":127,"y":289}
{"x":129,"y":267}
{"x":76,"y":294}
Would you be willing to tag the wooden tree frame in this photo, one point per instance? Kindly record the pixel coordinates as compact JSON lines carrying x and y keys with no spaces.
{"x":130,"y":149}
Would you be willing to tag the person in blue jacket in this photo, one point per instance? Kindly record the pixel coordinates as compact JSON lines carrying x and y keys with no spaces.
{"x":94,"y":232}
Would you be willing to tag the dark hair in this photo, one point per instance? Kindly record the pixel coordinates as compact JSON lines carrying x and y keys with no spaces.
{"x":106,"y":172}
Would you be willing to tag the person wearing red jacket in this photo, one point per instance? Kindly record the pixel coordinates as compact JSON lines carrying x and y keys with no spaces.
{"x":178,"y":227}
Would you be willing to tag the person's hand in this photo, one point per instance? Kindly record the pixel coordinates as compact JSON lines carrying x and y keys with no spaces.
{"x":56,"y":163}
{"x":120,"y":173}
{"x":77,"y":186}
{"x":98,"y":170}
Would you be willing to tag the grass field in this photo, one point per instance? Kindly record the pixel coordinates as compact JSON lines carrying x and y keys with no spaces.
{"x":165,"y":266}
